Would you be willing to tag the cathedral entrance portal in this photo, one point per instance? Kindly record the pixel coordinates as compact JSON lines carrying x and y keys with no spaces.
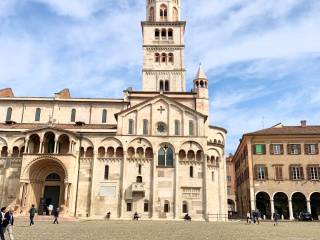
{"x":47,"y":185}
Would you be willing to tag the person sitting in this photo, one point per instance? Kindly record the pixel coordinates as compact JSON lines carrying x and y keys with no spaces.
{"x":187,"y":217}
{"x":136,"y":216}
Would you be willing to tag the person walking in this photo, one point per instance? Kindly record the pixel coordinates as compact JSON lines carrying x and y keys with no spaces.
{"x":275,"y":218}
{"x":56,"y":216}
{"x":1,"y":221}
{"x":32,"y":213}
{"x":10,"y":220}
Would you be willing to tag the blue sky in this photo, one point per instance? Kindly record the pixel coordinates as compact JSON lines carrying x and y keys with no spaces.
{"x":262,"y":57}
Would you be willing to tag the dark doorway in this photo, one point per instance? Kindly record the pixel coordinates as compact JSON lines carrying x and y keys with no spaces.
{"x":315,"y":205}
{"x":299,"y":204}
{"x":263,"y":204}
{"x":281,"y":204}
{"x":51,"y":196}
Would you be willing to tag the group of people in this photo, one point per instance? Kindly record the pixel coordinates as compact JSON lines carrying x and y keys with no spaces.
{"x":254,"y":217}
{"x":6,"y":223}
{"x":33,"y":211}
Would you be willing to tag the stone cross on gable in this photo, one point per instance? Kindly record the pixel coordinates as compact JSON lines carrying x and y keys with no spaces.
{"x":161,"y":109}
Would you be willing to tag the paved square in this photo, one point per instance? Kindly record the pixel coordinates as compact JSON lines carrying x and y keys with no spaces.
{"x":153,"y":230}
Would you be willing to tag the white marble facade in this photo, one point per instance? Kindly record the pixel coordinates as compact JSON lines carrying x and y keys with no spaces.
{"x":151,"y":152}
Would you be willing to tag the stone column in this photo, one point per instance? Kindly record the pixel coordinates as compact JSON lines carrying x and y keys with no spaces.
{"x":308,"y":206}
{"x":70,"y":147}
{"x":55,"y":146}
{"x":122,"y":188}
{"x":176,"y":187}
{"x":290,"y":210}
{"x":204,"y":185}
{"x":41,"y":150}
{"x":66,"y":193}
{"x":21,"y":193}
{"x":26,"y":147}
{"x":154,"y":185}
{"x":272,"y":207}
{"x":93,"y":180}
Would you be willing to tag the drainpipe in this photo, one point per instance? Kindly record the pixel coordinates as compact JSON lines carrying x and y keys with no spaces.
{"x":77,"y":187}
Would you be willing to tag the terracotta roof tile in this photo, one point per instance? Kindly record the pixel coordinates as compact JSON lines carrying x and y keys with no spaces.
{"x":287,"y":130}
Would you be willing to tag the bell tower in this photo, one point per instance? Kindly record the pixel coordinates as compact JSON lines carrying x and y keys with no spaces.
{"x":163,"y":47}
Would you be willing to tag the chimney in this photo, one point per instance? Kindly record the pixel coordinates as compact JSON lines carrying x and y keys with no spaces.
{"x":303,"y":123}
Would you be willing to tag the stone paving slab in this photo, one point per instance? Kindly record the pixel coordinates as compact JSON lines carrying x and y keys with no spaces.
{"x":156,"y":230}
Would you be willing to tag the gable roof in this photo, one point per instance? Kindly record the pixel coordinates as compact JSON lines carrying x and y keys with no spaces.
{"x":160,"y":96}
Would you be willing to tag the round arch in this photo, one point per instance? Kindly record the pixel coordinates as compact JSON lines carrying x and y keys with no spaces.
{"x":281,"y":204}
{"x":315,"y":204}
{"x":263,"y":204}
{"x":299,"y":204}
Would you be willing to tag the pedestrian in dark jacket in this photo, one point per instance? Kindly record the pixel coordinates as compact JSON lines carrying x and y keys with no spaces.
{"x":10,"y":220}
{"x":32,"y":213}
{"x":56,"y":216}
{"x":1,"y":221}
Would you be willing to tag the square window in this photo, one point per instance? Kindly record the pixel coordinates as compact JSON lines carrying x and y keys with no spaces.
{"x":129,"y":207}
{"x":276,"y":149}
{"x":259,"y":148}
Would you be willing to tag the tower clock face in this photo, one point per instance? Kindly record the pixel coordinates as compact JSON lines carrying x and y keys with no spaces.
{"x":161,"y":127}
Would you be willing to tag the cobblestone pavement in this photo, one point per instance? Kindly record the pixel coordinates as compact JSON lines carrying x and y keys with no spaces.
{"x":154,"y":230}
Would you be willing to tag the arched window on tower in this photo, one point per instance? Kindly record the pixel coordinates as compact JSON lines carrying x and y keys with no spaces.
{"x":9,"y":114}
{"x":166,"y":85}
{"x":163,"y":33}
{"x":157,"y":34}
{"x":175,"y":14}
{"x":170,"y":34}
{"x":161,"y":85}
{"x":163,"y":57}
{"x":157,"y":57}
{"x":170,"y":58}
{"x":151,"y":14}
{"x":163,"y":12}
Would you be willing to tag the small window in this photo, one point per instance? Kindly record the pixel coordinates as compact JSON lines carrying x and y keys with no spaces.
{"x":170,"y":34}
{"x":166,"y":207}
{"x":9,"y":114}
{"x":146,"y":206}
{"x":184,"y":207}
{"x":130,"y":129}
{"x":276,"y":149}
{"x":170,"y":58}
{"x":191,"y":128}
{"x":294,"y":149}
{"x":297,"y":172}
{"x":157,"y":34}
{"x":163,"y":57}
{"x":311,"y":149}
{"x":313,"y":173}
{"x":37,"y":115}
{"x":166,"y":85}
{"x":278,"y":170}
{"x":191,"y":172}
{"x":139,"y":169}
{"x":145,"y":126}
{"x":177,"y":127}
{"x":104,"y":116}
{"x":106,"y":172}
{"x":139,"y":179}
{"x":73,"y":115}
{"x":157,"y":57}
{"x":212,"y":176}
{"x":161,"y":85}
{"x":129,"y":206}
{"x":163,"y":33}
{"x":259,"y":149}
{"x":261,"y":173}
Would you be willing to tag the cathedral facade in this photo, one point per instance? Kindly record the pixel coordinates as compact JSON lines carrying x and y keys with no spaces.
{"x":152,"y":152}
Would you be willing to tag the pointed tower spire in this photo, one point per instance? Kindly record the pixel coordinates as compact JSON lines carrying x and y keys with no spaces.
{"x":201,"y":74}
